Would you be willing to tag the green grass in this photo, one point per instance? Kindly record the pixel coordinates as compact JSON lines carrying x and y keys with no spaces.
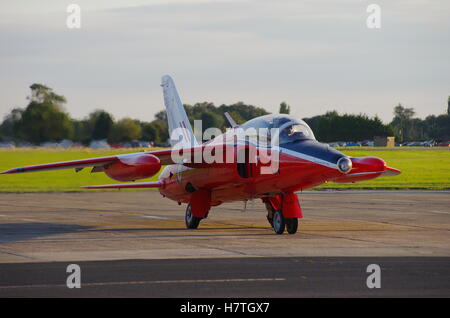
{"x":421,"y":169}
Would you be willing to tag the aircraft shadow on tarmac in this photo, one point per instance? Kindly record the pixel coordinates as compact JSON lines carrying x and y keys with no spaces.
{"x":16,"y":232}
{"x":182,"y":232}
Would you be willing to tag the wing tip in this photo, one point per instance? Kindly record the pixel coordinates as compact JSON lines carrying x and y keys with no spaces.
{"x":9,"y":171}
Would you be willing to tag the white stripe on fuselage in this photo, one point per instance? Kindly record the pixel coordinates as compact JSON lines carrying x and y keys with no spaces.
{"x":309,"y":158}
{"x":296,"y":154}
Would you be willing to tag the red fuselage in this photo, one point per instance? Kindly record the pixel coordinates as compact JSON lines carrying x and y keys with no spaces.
{"x":302,"y":165}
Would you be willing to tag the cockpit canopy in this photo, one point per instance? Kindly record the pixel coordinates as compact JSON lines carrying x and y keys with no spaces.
{"x":283,"y":127}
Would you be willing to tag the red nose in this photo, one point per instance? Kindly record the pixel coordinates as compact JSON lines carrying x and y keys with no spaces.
{"x":368,"y":164}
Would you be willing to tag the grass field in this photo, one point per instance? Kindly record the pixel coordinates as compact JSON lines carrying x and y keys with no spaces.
{"x":421,"y":169}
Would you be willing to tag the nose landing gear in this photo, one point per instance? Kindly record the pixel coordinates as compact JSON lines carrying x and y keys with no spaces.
{"x":192,"y":222}
{"x":283,"y":212}
{"x":278,"y":222}
{"x":198,"y":208}
{"x":291,"y":225}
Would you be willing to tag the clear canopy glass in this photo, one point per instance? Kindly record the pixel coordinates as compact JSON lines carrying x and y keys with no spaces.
{"x":284,"y":127}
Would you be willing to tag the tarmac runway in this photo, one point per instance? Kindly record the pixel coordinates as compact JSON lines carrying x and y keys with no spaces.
{"x":232,"y":277}
{"x":113,"y":234}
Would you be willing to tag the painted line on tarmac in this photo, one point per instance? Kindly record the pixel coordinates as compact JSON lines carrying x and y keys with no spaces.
{"x":439,"y":212}
{"x":190,"y":281}
{"x":156,"y":217}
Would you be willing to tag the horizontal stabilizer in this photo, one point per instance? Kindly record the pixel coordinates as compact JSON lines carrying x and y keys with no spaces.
{"x":135,"y":185}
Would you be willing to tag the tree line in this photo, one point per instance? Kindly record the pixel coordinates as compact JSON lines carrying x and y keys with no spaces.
{"x":45,"y":119}
{"x":404,"y":126}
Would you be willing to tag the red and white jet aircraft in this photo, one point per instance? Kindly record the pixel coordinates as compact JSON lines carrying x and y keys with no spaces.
{"x":239,"y":165}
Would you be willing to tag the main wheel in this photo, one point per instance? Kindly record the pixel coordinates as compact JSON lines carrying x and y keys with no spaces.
{"x":192,"y":221}
{"x":291,"y":225}
{"x":278,"y":222}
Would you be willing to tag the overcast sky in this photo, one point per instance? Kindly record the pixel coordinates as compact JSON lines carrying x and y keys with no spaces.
{"x":315,"y":55}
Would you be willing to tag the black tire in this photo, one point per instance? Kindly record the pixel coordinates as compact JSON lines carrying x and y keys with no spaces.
{"x":192,"y":222}
{"x":270,"y":220}
{"x":279,"y":224}
{"x":291,"y":225}
{"x":269,"y":214}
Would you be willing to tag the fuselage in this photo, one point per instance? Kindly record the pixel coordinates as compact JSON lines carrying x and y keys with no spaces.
{"x":302,"y":163}
{"x":298,"y":170}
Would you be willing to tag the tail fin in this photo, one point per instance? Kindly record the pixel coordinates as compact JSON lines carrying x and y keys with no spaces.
{"x":180,"y":131}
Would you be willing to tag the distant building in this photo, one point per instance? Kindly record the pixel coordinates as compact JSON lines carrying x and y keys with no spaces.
{"x":382,"y":141}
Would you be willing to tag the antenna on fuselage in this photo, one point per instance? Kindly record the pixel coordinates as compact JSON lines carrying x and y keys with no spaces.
{"x":230,"y":120}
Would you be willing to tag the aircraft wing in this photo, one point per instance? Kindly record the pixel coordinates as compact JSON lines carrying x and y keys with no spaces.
{"x":134,"y":185}
{"x":164,"y":156}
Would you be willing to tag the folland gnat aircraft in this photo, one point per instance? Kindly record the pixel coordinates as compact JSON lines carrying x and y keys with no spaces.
{"x":239,"y":165}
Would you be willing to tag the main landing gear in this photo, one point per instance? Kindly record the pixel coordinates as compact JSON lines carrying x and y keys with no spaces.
{"x":198,"y":208}
{"x":279,"y":223}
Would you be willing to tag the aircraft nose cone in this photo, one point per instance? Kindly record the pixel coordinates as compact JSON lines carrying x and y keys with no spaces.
{"x":368,"y":164}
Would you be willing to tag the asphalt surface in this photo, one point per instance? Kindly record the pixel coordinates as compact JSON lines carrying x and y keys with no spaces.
{"x":136,"y":244}
{"x":232,"y":277}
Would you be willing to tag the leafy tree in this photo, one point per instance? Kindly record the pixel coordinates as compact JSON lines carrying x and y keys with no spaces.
{"x":448,"y":106}
{"x":82,"y":131}
{"x":437,"y":127}
{"x":125,"y":129}
{"x":161,"y":115}
{"x":45,"y":122}
{"x":43,"y":94}
{"x":9,"y":129}
{"x":149,"y":132}
{"x":162,"y":132}
{"x":403,"y":123}
{"x":96,"y":126}
{"x":102,"y":123}
{"x":245,"y":112}
{"x":284,"y":108}
{"x":335,"y":127}
{"x":44,"y":119}
{"x":212,"y":120}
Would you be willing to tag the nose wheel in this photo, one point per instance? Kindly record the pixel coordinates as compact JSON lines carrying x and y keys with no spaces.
{"x":291,"y":225}
{"x":279,"y":223}
{"x":192,"y":221}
